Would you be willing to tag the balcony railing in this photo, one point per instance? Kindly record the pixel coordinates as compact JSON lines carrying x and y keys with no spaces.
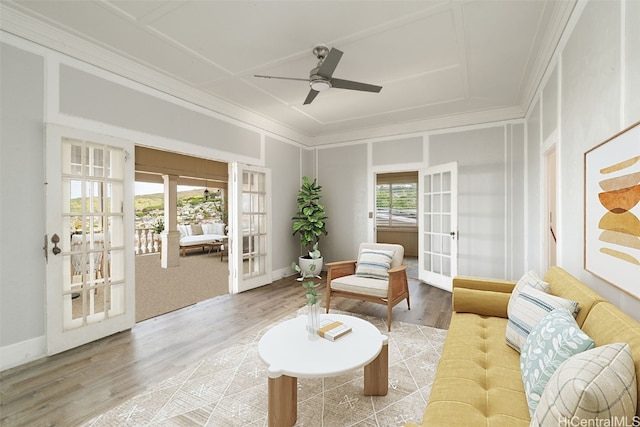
{"x":147,"y":241}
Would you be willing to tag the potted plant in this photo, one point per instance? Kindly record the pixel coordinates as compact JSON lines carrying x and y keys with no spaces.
{"x":309,"y":223}
{"x":158,"y":227}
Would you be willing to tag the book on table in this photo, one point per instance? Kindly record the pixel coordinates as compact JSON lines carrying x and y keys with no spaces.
{"x":333,"y":329}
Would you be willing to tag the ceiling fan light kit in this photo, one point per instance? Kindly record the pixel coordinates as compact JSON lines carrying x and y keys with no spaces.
{"x":319,"y":85}
{"x":320,"y":78}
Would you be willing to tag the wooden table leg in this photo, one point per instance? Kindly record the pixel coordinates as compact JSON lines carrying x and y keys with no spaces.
{"x":376,"y":373}
{"x":283,"y":401}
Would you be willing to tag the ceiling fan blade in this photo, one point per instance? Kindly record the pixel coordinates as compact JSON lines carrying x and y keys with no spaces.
{"x":330,"y":63}
{"x":312,"y":95}
{"x":280,"y":78}
{"x":348,"y":84}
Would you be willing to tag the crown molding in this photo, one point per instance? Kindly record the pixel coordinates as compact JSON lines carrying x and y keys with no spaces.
{"x":422,"y":126}
{"x":545,"y":55}
{"x":26,"y":27}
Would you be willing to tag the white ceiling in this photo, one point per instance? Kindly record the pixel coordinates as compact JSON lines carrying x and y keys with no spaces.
{"x":441,"y":63}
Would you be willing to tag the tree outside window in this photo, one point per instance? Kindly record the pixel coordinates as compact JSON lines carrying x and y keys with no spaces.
{"x":396,"y":204}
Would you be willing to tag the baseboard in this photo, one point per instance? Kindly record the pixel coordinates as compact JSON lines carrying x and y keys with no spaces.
{"x":22,"y":352}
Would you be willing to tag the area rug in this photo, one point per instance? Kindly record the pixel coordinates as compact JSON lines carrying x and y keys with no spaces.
{"x":230,"y":388}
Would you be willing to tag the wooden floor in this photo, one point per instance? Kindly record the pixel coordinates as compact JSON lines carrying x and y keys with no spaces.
{"x":73,"y":387}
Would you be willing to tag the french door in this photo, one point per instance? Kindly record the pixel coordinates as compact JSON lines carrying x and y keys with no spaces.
{"x":89,"y":243}
{"x":438,"y":225}
{"x":250,"y":227}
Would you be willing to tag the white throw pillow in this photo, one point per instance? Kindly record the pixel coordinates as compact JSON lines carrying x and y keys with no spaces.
{"x":217,"y":228}
{"x":598,"y":384}
{"x":184,"y":231}
{"x":528,"y":309}
{"x":374,"y":263}
{"x":530,"y":278}
{"x":553,"y":340}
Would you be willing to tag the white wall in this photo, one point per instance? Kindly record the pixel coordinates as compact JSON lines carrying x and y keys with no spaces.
{"x":597,"y":94}
{"x":22,"y":224}
{"x":490,"y":185}
{"x":342,"y":173}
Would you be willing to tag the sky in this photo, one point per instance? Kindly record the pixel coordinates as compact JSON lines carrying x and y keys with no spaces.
{"x":153,"y":188}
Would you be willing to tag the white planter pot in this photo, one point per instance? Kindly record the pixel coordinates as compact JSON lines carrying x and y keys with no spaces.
{"x":304,"y":264}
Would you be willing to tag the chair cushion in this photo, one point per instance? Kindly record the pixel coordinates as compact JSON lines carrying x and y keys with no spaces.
{"x":374,"y":263}
{"x":361,"y":285}
{"x":529,"y":308}
{"x":553,"y":340}
{"x":598,"y":384}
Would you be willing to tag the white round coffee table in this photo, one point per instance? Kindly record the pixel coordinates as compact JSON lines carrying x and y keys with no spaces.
{"x":289,"y":353}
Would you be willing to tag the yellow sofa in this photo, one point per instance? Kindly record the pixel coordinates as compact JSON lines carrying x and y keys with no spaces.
{"x":478,"y":380}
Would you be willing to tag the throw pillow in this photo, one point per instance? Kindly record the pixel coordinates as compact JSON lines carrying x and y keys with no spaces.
{"x":529,"y":308}
{"x":553,"y":340}
{"x":183,"y":231}
{"x":599,"y":384}
{"x":530,"y":278}
{"x":374,"y":263}
{"x":196,"y":230}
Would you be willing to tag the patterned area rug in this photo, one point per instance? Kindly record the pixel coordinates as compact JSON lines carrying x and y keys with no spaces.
{"x":230,"y":388}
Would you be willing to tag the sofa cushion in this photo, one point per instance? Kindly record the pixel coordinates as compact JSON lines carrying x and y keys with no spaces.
{"x":530,"y":278}
{"x":361,"y":285}
{"x":196,"y":230}
{"x":478,"y":378}
{"x":374,"y":264}
{"x":599,"y":384}
{"x":564,"y":285}
{"x":553,"y":340}
{"x":529,"y":308}
{"x":487,"y":303}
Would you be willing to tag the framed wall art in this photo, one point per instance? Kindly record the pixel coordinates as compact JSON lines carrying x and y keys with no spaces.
{"x":612,"y":210}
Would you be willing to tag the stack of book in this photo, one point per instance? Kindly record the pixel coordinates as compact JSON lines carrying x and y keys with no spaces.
{"x":333,"y":329}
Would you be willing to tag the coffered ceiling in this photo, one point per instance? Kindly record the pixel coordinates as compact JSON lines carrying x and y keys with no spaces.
{"x":441,"y":63}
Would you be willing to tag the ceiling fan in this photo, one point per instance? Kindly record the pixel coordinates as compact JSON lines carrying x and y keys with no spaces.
{"x":320,"y":77}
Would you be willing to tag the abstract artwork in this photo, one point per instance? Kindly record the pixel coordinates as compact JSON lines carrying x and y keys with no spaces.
{"x":612,"y":210}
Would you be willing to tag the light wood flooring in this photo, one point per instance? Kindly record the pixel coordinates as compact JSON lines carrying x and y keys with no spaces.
{"x":73,"y":387}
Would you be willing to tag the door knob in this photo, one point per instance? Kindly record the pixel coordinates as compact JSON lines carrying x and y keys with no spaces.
{"x":55,"y":239}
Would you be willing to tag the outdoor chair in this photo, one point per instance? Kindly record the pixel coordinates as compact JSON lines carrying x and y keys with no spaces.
{"x":377,"y":276}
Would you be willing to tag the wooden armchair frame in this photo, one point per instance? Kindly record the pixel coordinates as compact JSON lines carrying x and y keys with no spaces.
{"x":397,"y":290}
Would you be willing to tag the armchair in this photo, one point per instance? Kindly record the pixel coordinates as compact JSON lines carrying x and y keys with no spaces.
{"x":377,"y":276}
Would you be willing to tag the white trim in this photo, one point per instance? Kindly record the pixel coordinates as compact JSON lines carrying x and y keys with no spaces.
{"x":508,"y":213}
{"x":17,"y":354}
{"x":623,"y":68}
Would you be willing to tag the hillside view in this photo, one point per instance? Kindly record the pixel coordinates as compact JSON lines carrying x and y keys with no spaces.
{"x":150,"y":207}
{"x":192,"y":207}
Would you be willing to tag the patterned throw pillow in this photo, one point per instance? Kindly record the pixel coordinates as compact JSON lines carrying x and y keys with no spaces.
{"x":196,"y":230}
{"x":374,"y":263}
{"x":553,"y":340}
{"x":529,"y":278}
{"x":529,"y":308}
{"x":599,"y":384}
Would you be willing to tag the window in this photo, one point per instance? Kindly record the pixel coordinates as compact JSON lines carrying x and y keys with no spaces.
{"x":396,"y":200}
